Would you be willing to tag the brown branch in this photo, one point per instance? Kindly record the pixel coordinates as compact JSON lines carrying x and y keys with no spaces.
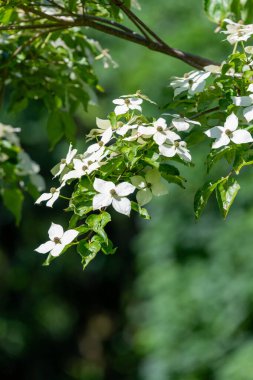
{"x":117,"y":30}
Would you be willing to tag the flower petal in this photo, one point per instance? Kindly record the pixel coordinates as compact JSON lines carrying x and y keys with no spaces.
{"x":54,"y":197}
{"x":248,"y":113}
{"x":184,"y":154}
{"x":160,"y":138}
{"x":243,"y":101}
{"x":102,"y":186}
{"x":152,"y":176}
{"x":101,"y":200}
{"x":138,"y":181}
{"x":122,"y":205}
{"x":120,"y":110}
{"x":119,"y":101}
{"x":231,"y":122}
{"x":69,"y":236}
{"x":215,"y":132}
{"x":143,"y":196}
{"x":222,"y":141}
{"x":103,"y":123}
{"x":181,"y":125}
{"x":43,"y":197}
{"x":160,"y":188}
{"x":167,"y":150}
{"x":241,"y":137}
{"x":46,"y":247}
{"x":124,"y":189}
{"x":172,"y":136}
{"x":106,"y":136}
{"x":54,"y":231}
{"x":57,"y":250}
{"x":71,"y":154}
{"x":149,"y":131}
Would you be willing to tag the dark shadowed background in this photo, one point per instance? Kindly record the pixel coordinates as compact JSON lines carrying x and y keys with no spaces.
{"x":176,"y":301}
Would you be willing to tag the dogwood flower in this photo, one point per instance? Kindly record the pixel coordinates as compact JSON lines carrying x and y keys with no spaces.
{"x":193,"y":82}
{"x":50,"y":197}
{"x":171,"y":148}
{"x":82,"y":167}
{"x":223,"y":135}
{"x":247,"y":102}
{"x":237,"y":32}
{"x":126,"y":104}
{"x":58,"y":240}
{"x":151,"y":184}
{"x":159,"y":131}
{"x":100,"y":146}
{"x":111,"y":194}
{"x":66,"y":161}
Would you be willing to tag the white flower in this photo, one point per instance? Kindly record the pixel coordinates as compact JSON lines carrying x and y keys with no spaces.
{"x":247,"y":102}
{"x":223,"y":135}
{"x":50,"y":197}
{"x":152,"y":184}
{"x":171,"y":148}
{"x":159,"y":131}
{"x":193,"y":82}
{"x":126,"y":104}
{"x":237,"y":32}
{"x":100,"y":146}
{"x":182,"y":124}
{"x":82,"y":167}
{"x":66,"y":161}
{"x":109,"y":193}
{"x":58,"y":240}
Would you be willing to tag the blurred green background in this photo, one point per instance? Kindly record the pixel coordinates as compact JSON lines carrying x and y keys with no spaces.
{"x":176,"y":301}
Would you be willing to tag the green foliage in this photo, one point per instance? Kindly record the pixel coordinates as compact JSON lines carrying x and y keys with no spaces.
{"x":18,"y":173}
{"x":218,"y":10}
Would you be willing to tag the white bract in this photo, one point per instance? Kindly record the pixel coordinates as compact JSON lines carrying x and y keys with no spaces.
{"x":193,"y":82}
{"x":182,"y":124}
{"x":66,"y":161}
{"x":171,"y":148}
{"x":111,"y":194}
{"x":151,"y":184}
{"x":50,"y":197}
{"x":126,"y":104}
{"x":237,"y":32}
{"x":246,"y":102}
{"x":58,"y":240}
{"x":223,"y":135}
{"x":122,"y":131}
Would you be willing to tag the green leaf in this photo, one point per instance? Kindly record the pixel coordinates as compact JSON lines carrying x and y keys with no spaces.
{"x":55,"y":128}
{"x":141,"y":210}
{"x":69,"y":126}
{"x":217,"y":10}
{"x":202,"y":196}
{"x":97,"y":222}
{"x":13,"y":200}
{"x":88,"y":250}
{"x":226,"y":192}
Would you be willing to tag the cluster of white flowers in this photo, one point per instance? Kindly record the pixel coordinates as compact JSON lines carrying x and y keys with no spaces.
{"x":237,"y":32}
{"x":223,"y":135}
{"x":129,"y":129}
{"x":192,"y":82}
